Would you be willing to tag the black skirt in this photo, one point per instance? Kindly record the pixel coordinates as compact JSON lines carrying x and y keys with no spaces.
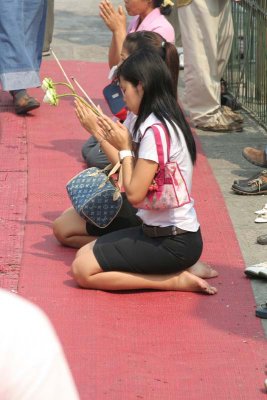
{"x":130,"y":250}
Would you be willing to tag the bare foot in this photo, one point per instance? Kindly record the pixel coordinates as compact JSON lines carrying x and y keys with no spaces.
{"x":187,"y":282}
{"x":202,"y":270}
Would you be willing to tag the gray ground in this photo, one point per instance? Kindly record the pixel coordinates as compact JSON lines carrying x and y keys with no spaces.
{"x":80,"y":34}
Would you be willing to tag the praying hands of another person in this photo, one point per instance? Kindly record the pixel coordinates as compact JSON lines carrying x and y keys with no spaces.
{"x":116,"y":23}
{"x":90,"y":121}
{"x":114,"y":20}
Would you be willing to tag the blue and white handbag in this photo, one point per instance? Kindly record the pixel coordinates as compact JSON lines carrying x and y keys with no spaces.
{"x":95,"y":195}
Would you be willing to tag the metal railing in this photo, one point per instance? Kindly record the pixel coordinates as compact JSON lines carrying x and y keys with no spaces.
{"x":246,"y":72}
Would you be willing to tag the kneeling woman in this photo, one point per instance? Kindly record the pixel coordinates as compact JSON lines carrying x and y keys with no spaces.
{"x":161,"y":253}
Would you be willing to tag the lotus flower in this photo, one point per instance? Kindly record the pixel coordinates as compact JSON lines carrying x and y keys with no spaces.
{"x":47,"y":84}
{"x":51,"y":97}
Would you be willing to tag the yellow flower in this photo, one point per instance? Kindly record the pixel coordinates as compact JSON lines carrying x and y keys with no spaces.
{"x":167,"y":3}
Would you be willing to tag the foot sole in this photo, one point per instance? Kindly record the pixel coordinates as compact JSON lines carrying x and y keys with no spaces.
{"x":26,"y":109}
{"x":248,"y":193}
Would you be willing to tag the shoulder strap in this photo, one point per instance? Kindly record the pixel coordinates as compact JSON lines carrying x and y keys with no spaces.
{"x":159,"y":142}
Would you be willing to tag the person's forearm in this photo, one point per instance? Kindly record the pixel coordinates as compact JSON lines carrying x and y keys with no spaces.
{"x":127,"y":172}
{"x":115,"y":48}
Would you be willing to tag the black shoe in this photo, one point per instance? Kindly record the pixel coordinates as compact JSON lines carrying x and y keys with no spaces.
{"x":230,"y":101}
{"x":242,"y":182}
{"x":23,"y":102}
{"x":262,"y":239}
{"x":261,"y":311}
{"x":253,"y":186}
{"x":227,"y":99}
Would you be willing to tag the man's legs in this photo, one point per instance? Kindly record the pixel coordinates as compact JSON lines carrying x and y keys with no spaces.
{"x":49,"y":27}
{"x":225,"y":36}
{"x":199,"y":27}
{"x":207,"y":38}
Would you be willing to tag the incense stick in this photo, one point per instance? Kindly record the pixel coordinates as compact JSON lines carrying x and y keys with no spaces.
{"x":84,"y":92}
{"x":60,"y":66}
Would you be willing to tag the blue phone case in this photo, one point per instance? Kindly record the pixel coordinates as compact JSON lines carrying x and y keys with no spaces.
{"x":114,"y":97}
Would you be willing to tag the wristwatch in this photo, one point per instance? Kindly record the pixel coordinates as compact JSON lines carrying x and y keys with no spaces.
{"x":125,"y":153}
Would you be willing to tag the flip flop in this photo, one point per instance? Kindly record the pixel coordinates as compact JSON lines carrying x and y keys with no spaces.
{"x":262,"y":217}
{"x":261,"y":311}
{"x":263,"y":273}
{"x":262,"y":211}
{"x":254,"y":270}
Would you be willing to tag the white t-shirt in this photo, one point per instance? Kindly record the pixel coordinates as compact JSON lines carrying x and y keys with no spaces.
{"x":32,"y":363}
{"x":185,"y":216}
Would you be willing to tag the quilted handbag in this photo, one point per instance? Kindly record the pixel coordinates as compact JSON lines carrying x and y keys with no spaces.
{"x":168,"y":189}
{"x":95,"y":195}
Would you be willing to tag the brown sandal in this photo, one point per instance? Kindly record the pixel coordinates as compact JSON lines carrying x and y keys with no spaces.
{"x":24,"y":103}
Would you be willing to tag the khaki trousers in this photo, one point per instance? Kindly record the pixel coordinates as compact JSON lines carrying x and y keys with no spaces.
{"x":49,"y":25}
{"x":207,"y":35}
{"x":173,"y":19}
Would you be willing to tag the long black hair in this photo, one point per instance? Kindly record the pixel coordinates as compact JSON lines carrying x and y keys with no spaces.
{"x":167,"y":51}
{"x":145,"y":66}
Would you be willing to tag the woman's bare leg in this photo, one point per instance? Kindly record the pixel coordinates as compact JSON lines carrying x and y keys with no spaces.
{"x":70,"y":229}
{"x":200,"y":269}
{"x":89,"y":274}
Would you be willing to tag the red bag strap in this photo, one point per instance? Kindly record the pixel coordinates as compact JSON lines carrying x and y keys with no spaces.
{"x":159,"y":143}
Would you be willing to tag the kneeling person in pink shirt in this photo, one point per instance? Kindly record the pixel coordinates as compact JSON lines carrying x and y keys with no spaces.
{"x":148,"y":16}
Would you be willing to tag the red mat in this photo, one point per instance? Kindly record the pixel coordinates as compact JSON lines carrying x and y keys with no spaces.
{"x":13,"y":192}
{"x":140,"y":345}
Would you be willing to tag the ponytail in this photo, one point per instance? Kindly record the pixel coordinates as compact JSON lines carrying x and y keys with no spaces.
{"x":167,"y":51}
{"x":172,"y":62}
{"x":165,"y":6}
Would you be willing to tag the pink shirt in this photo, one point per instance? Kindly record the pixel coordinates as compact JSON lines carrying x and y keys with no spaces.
{"x":155,"y":22}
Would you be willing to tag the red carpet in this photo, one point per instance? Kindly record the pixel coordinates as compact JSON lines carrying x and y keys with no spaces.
{"x":124,"y":346}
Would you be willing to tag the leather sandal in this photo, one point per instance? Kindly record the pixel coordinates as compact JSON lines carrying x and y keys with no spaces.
{"x":24,"y":103}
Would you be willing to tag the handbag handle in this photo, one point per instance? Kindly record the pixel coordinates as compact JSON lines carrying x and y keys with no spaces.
{"x":113,"y":169}
{"x":117,"y":167}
